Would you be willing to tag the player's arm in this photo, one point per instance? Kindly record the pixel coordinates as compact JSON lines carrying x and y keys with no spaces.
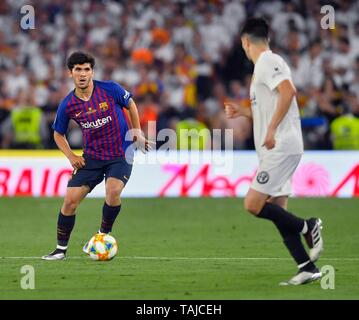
{"x":234,"y":110}
{"x":287,"y":92}
{"x":142,"y":143}
{"x":60,"y":126}
{"x":77,"y":162}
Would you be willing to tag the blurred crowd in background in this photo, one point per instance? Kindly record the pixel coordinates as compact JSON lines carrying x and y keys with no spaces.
{"x":181,"y":60}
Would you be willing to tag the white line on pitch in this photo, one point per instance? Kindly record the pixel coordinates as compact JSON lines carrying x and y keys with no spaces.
{"x":194,"y":258}
{"x":230,"y":258}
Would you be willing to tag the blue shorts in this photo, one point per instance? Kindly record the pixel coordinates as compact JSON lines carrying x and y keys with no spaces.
{"x":95,"y":170}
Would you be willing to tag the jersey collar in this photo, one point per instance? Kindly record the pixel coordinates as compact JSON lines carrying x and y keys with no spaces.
{"x":93,"y":90}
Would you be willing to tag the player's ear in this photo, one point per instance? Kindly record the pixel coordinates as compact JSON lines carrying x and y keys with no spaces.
{"x":244,"y":40}
{"x":247,"y":42}
{"x":69,"y":73}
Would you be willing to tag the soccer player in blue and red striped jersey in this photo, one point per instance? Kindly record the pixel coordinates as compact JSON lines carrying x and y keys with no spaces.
{"x":98,"y":107}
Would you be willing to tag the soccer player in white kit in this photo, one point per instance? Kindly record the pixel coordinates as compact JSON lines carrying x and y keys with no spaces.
{"x":279,"y":145}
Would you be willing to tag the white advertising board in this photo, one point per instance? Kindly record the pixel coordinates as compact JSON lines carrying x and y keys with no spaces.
{"x":186,"y":174}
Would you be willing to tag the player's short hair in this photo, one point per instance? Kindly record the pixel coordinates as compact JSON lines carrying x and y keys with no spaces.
{"x":256,"y":29}
{"x":80,"y":57}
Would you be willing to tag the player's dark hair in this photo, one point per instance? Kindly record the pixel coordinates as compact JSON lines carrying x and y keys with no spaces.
{"x":256,"y":29}
{"x":80,"y":57}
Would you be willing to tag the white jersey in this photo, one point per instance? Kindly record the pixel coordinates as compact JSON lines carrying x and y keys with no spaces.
{"x":269,"y":71}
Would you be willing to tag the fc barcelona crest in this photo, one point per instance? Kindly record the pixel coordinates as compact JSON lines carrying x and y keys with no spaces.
{"x":103,"y":106}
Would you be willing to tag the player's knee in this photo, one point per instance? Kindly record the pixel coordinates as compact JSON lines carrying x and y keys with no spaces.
{"x":114,"y":190}
{"x":70,"y":205}
{"x":113,"y":200}
{"x":251,"y":206}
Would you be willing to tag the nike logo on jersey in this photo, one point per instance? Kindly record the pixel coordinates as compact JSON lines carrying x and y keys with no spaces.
{"x":77,"y":114}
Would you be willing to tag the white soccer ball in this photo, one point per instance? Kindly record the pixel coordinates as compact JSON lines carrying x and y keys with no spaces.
{"x":102,"y":247}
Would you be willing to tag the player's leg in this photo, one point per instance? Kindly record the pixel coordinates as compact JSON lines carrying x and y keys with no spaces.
{"x":112,"y":206}
{"x":117,"y":175}
{"x":290,"y":228}
{"x":281,"y":201}
{"x":272,"y":175}
{"x":263,"y":206}
{"x":80,"y":184}
{"x":312,"y":227}
{"x":66,"y":220}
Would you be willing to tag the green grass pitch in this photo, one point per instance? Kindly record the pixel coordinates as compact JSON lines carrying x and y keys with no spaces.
{"x":174,"y":249}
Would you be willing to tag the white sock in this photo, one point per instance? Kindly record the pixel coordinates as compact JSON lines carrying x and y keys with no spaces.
{"x":303,"y":264}
{"x":61,"y":247}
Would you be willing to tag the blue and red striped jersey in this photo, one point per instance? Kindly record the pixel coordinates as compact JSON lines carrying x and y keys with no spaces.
{"x":102,"y":119}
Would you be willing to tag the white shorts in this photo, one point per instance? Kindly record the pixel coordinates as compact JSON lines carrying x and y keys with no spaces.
{"x":274,"y":174}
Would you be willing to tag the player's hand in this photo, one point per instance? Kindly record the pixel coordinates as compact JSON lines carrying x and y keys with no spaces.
{"x":231,"y":110}
{"x":143,"y":144}
{"x":269,"y":141}
{"x":77,"y":162}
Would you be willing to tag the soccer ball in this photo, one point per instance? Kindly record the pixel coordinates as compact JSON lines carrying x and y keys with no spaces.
{"x":102,"y":247}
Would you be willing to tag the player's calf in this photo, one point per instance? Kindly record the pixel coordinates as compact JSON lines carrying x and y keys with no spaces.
{"x":65,"y":225}
{"x":254,"y":201}
{"x":290,"y":227}
{"x":69,"y":206}
{"x":109,"y":215}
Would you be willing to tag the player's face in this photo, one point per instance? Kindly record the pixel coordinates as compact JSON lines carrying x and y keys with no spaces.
{"x":245,"y":46}
{"x":82,"y":75}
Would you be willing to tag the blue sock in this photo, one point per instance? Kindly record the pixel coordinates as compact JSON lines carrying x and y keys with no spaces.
{"x":65,"y":224}
{"x":109,"y":215}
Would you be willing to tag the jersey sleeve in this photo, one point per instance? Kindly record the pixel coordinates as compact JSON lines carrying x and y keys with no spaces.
{"x":61,"y":121}
{"x":273,"y":71}
{"x":122,"y":96}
